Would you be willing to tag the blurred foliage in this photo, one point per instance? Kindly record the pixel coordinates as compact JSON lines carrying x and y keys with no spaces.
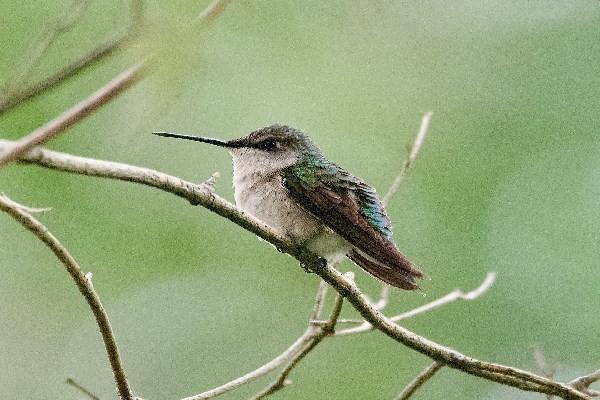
{"x":508,"y":180}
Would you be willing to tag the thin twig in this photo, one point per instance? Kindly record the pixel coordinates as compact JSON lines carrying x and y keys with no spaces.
{"x":453,"y":296}
{"x":137,"y":9}
{"x":410,"y":160}
{"x":319,"y":301}
{"x":384,"y":296}
{"x":419,"y":380}
{"x":84,"y":286}
{"x":201,"y":195}
{"x":83,"y":390}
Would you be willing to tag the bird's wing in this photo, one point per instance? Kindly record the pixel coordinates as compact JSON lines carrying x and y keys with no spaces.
{"x":351,"y":209}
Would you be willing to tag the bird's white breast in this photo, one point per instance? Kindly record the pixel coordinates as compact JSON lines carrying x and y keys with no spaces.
{"x":265,"y":197}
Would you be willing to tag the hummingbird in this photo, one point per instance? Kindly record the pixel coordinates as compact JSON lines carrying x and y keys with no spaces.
{"x":282,"y":178}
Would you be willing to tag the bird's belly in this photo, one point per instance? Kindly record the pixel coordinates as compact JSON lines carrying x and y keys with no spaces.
{"x":269,"y":201}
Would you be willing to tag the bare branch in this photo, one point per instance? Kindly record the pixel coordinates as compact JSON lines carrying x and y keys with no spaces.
{"x":74,"y":114}
{"x":453,"y":296}
{"x":419,"y":380}
{"x":384,"y":295}
{"x":410,"y":160}
{"x":84,"y":286}
{"x":83,"y":390}
{"x":199,"y":194}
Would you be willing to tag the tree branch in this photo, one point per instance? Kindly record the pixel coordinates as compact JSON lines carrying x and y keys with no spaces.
{"x":201,"y":195}
{"x":27,"y":209}
{"x":33,"y":90}
{"x":410,"y":160}
{"x":298,"y":345}
{"x":83,"y":284}
{"x":419,"y":380}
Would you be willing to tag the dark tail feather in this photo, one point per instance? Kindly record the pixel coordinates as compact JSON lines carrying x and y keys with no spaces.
{"x":400,"y":278}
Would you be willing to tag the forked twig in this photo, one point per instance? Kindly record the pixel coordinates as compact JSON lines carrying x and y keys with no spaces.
{"x":321,"y":332}
{"x":299,"y":346}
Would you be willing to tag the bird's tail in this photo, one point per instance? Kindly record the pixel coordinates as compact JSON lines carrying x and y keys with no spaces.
{"x":404,"y":278}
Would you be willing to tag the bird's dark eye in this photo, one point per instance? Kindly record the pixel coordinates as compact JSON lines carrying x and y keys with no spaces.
{"x":267,"y":145}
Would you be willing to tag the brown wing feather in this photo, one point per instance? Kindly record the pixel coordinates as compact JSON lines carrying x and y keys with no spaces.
{"x":394,"y":277}
{"x":342,"y":214}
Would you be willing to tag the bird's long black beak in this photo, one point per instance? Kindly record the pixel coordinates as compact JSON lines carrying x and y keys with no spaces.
{"x":216,"y":142}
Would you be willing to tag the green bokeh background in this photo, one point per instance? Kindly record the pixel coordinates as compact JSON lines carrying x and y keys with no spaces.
{"x":508,"y":180}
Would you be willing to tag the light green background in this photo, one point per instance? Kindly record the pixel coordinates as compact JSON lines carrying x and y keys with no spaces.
{"x":508,"y":180}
